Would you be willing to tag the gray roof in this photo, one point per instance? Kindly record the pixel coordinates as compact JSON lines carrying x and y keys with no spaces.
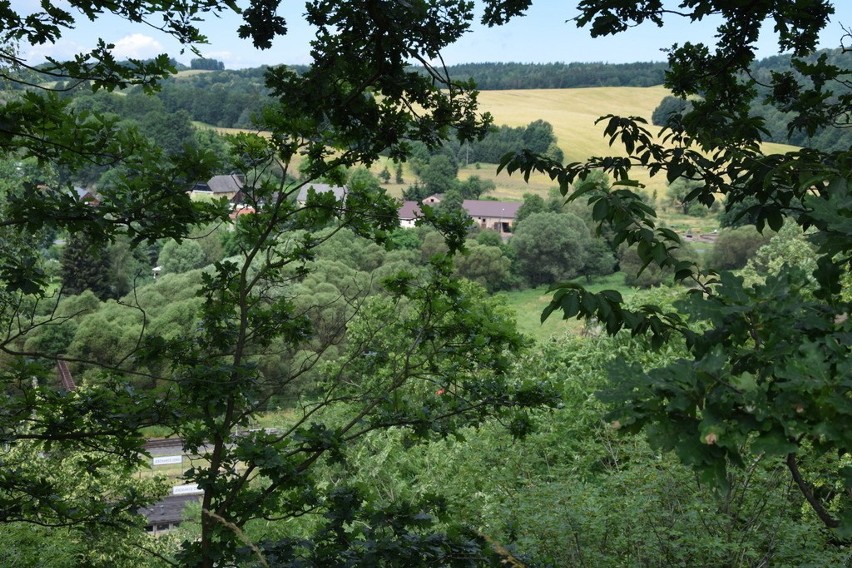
{"x":230,"y":183}
{"x":339,"y":191}
{"x":409,"y":210}
{"x":496,"y":209}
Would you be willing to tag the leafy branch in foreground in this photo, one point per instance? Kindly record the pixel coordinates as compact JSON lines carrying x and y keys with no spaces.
{"x":768,"y":370}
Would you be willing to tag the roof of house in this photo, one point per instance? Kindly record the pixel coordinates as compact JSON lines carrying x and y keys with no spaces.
{"x":229,"y":183}
{"x":84,"y":194}
{"x":409,"y":210}
{"x":242,"y":211}
{"x":339,"y":191}
{"x":497,"y":209}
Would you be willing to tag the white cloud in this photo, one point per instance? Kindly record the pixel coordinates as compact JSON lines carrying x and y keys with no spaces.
{"x":137,"y":46}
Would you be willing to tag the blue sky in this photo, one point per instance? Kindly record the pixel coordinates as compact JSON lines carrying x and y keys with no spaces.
{"x":544,"y":35}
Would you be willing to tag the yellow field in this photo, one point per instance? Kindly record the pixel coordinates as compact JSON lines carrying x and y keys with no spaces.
{"x":573,"y":113}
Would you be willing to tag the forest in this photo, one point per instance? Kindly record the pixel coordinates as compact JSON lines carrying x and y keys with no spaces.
{"x":344,"y":392}
{"x":777,"y":119}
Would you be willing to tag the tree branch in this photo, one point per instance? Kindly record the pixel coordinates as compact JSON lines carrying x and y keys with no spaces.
{"x":807,"y":491}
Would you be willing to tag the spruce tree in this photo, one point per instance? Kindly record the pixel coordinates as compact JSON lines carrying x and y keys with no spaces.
{"x":84,"y":267}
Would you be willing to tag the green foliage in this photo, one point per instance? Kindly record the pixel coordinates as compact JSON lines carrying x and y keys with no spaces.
{"x":550,"y":247}
{"x":507,"y":75}
{"x":433,"y":243}
{"x":489,"y":237}
{"x":735,"y":247}
{"x":532,"y":204}
{"x":475,"y":187}
{"x":537,"y":136}
{"x":404,"y":239}
{"x":84,"y":267}
{"x":738,"y":392}
{"x":645,"y":275}
{"x":669,"y":111}
{"x":181,"y":257}
{"x":485,"y":265}
{"x":789,"y":248}
{"x":203,"y":367}
{"x":439,"y":175}
{"x":745,"y":372}
{"x":361,"y":179}
{"x":557,"y":497}
{"x":681,"y":194}
{"x":205,"y":63}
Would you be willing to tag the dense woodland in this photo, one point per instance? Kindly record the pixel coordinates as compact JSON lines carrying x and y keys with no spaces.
{"x":350,"y":393}
{"x":501,"y":76}
{"x":776,"y":120}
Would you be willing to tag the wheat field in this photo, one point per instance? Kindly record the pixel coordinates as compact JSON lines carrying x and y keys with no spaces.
{"x":572,"y":113}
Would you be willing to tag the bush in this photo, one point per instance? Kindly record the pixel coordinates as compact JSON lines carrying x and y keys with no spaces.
{"x":735,"y":247}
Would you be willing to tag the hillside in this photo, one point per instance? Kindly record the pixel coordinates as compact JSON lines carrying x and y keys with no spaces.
{"x":572,"y":112}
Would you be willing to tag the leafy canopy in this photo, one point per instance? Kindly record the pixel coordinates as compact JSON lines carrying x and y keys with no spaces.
{"x":767,"y":370}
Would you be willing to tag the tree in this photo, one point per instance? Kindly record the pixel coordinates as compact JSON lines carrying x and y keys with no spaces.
{"x":85,"y":268}
{"x":180,"y":257}
{"x":532,"y":204}
{"x":681,"y":193}
{"x":207,"y":64}
{"x":754,"y":383}
{"x":439,"y":175}
{"x":751,"y":383}
{"x":734,"y":247}
{"x":379,"y":369}
{"x":474,"y":187}
{"x":550,"y":247}
{"x":485,"y":265}
{"x":600,"y":260}
{"x":787,"y":249}
{"x":669,"y":111}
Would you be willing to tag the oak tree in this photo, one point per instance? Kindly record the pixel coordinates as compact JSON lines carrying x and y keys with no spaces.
{"x":768,"y":367}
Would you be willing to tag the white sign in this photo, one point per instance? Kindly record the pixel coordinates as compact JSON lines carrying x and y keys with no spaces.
{"x":188,"y":489}
{"x":168,"y":460}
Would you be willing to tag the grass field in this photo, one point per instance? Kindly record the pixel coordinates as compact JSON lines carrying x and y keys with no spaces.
{"x":572,"y":112}
{"x":528,"y":305}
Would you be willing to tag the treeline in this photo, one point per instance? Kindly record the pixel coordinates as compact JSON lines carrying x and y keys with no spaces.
{"x":502,"y":76}
{"x":208,"y":64}
{"x":777,"y":122}
{"x":226,"y":99}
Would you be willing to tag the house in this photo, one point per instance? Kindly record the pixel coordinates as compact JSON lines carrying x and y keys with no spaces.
{"x":408,"y":214}
{"x":86,"y":196}
{"x":229,"y":186}
{"x":496,"y":215}
{"x":433,"y":199}
{"x":339,"y":191}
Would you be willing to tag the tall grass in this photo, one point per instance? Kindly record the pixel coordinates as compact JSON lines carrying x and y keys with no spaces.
{"x":529,"y":303}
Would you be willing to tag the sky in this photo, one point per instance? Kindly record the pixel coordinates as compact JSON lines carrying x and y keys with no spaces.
{"x":544,"y":35}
